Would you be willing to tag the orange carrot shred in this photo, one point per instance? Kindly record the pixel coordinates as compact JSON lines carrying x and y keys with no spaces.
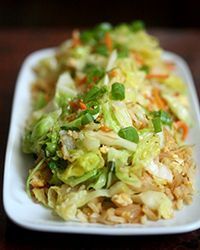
{"x":170,"y":65}
{"x":138,"y":57}
{"x":82,"y":105}
{"x":158,"y":76}
{"x":158,"y":99}
{"x":82,"y":81}
{"x":108,"y":41}
{"x":113,"y":73}
{"x":184,"y":127}
{"x":74,"y":105}
{"x":105,"y":128}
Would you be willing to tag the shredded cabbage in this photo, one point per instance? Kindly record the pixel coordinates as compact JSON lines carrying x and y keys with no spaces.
{"x":107,"y":129}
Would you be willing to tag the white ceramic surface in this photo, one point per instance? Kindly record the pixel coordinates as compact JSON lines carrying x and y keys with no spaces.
{"x":23,"y":211}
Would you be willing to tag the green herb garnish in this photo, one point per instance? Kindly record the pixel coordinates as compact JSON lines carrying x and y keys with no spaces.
{"x":129,"y":133}
{"x":117,"y":91}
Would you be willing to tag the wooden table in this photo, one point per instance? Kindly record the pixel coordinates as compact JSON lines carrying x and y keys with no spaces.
{"x":15,"y":45}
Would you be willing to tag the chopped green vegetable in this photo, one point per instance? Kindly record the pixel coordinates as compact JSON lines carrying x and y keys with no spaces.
{"x":86,"y":118}
{"x":118,"y":91}
{"x":101,"y":49}
{"x":145,"y":68}
{"x":94,"y":93}
{"x":137,"y":26}
{"x":95,"y":35}
{"x":73,"y":181}
{"x":111,"y":166}
{"x":93,"y":107}
{"x":120,"y":112}
{"x":122,"y":170}
{"x":147,"y":149}
{"x":73,"y":125}
{"x":157,"y":124}
{"x":40,"y":101}
{"x":100,"y":30}
{"x":52,"y":165}
{"x":129,"y":133}
{"x":178,"y":108}
{"x":79,"y":122}
{"x":122,"y":51}
{"x":164,"y":117}
{"x":82,"y":168}
{"x":101,"y":180}
{"x":93,"y":72}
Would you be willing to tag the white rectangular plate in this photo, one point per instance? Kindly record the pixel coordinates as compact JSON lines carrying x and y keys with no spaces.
{"x":23,"y":211}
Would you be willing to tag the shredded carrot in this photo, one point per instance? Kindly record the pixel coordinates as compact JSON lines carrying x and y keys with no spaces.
{"x":74,"y":105}
{"x":151,"y":101}
{"x":105,"y":128}
{"x":81,"y":81}
{"x":184,"y":127}
{"x":108,"y":41}
{"x":113,"y":73}
{"x":158,"y":76}
{"x":82,"y":105}
{"x":170,"y":65}
{"x":158,"y":99}
{"x":76,"y":38}
{"x":138,"y":57}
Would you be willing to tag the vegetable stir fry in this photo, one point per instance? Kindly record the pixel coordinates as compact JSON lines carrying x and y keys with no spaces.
{"x":107,"y":129}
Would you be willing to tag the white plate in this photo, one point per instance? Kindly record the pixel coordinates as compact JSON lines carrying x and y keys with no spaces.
{"x":23,"y":211}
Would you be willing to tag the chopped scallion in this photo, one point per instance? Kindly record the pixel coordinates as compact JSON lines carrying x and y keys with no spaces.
{"x":117,"y":91}
{"x":157,"y":124}
{"x":129,"y":133}
{"x":93,"y":93}
{"x":164,"y":117}
{"x":137,"y":26}
{"x":87,"y":118}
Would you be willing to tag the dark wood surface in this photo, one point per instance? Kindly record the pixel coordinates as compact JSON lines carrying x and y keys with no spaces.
{"x":15,"y":45}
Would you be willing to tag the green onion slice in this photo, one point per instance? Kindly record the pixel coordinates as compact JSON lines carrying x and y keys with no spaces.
{"x":157,"y":124}
{"x":164,"y":117}
{"x":86,"y":118}
{"x":93,"y":107}
{"x":129,"y":133}
{"x":117,"y":91}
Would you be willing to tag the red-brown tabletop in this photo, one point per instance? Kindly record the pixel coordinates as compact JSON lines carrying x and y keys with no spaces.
{"x":15,"y":45}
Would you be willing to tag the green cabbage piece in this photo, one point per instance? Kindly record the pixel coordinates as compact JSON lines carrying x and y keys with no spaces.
{"x":80,"y":52}
{"x":121,"y":114}
{"x":176,"y":83}
{"x":148,"y":148}
{"x":39,"y":101}
{"x":120,"y":187}
{"x":37,"y":133}
{"x":100,"y":181}
{"x":178,"y":108}
{"x":82,"y":169}
{"x":65,"y":89}
{"x":46,"y":67}
{"x":68,"y":206}
{"x":73,"y":181}
{"x":122,"y":170}
{"x":159,"y":202}
{"x":89,"y":142}
{"x":109,"y":118}
{"x":112,"y":139}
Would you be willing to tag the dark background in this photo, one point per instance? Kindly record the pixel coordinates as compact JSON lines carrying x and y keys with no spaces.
{"x":43,"y":13}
